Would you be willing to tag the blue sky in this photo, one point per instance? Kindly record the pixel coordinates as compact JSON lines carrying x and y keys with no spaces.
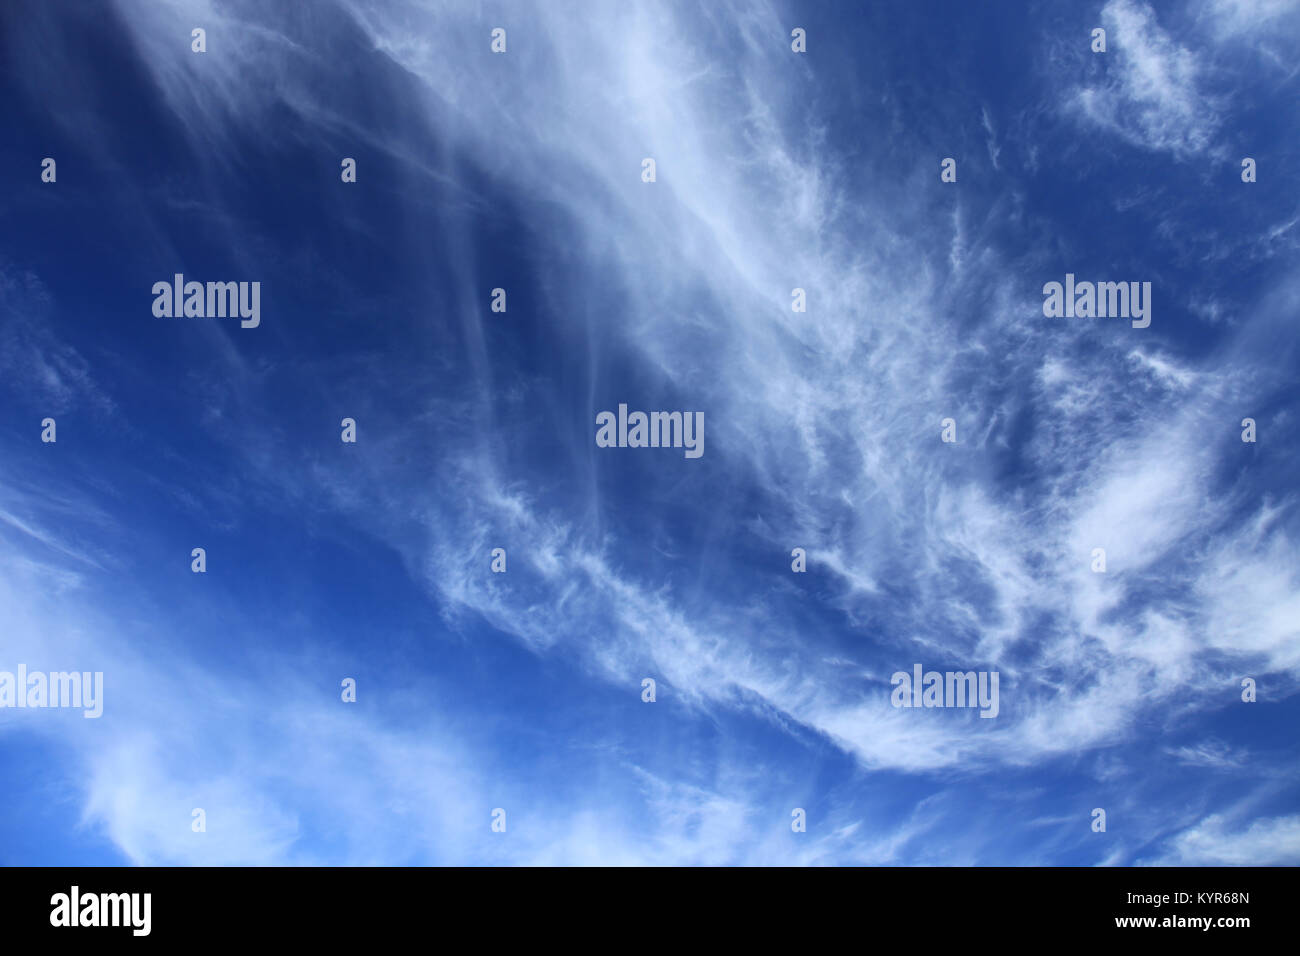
{"x":476,"y":430}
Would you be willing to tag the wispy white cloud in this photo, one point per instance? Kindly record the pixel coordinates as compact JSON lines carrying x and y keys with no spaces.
{"x":1152,"y":95}
{"x":851,"y":410}
{"x":1273,"y":841}
{"x":829,"y":419}
{"x":1209,"y":753}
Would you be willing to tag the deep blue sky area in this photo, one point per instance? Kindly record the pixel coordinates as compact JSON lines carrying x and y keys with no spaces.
{"x":1122,"y":684}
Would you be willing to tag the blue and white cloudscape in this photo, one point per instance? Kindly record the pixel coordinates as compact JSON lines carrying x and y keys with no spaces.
{"x":476,"y":429}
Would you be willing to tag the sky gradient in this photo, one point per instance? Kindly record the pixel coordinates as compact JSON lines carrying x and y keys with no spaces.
{"x":522,"y":690}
